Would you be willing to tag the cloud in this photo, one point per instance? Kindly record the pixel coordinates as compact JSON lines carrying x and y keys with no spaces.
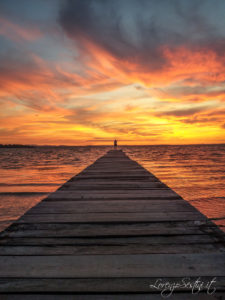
{"x":148,"y":41}
{"x":6,"y":132}
{"x":194,"y":93}
{"x":17,"y":32}
{"x":29,"y":80}
{"x":184,"y":111}
{"x":201,"y":120}
{"x":204,"y":116}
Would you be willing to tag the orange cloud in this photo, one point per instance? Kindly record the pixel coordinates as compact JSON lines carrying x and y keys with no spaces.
{"x":199,"y":65}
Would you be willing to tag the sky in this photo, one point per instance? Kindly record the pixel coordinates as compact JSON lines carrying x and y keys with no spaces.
{"x":85,"y":72}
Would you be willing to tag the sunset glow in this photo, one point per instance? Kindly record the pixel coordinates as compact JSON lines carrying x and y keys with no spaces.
{"x":87,"y":72}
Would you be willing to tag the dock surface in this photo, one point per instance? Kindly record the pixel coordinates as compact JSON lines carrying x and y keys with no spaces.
{"x":114,"y":231}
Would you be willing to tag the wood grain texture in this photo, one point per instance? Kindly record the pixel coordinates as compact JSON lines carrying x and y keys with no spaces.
{"x":108,"y":229}
{"x":104,"y":285}
{"x":112,"y":206}
{"x":82,"y":266}
{"x":110,"y":217}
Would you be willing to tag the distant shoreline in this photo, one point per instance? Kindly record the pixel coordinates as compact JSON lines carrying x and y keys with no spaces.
{"x":152,"y":145}
{"x":17,"y":146}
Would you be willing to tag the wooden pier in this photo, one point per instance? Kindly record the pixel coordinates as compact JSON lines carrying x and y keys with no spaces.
{"x":110,"y":233}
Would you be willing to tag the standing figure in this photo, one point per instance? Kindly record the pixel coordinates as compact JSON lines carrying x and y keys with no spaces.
{"x":115,"y":144}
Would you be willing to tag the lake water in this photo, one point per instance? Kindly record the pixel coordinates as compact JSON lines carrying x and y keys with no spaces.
{"x":196,"y":172}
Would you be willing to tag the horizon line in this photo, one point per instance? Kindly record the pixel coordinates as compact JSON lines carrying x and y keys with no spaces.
{"x":110,"y":145}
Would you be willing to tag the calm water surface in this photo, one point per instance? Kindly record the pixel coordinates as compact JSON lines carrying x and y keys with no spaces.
{"x":195,"y":172}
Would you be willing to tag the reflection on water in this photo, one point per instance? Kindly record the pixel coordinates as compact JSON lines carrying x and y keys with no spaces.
{"x":196,"y":172}
{"x":29,"y":174}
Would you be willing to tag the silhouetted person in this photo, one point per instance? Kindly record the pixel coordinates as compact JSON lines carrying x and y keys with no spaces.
{"x":115,"y":144}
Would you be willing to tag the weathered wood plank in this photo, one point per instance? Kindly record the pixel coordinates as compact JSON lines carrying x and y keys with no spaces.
{"x":110,"y":217}
{"x":110,"y":198}
{"x":118,"y":203}
{"x":84,"y":209}
{"x":107,"y":229}
{"x":122,"y":240}
{"x":99,"y":249}
{"x":83,"y":181}
{"x":85,"y":285}
{"x":111,"y":177}
{"x":96,"y":266}
{"x":110,"y":186}
{"x":122,"y":171}
{"x":114,"y":183}
{"x":111,"y":206}
{"x":123,"y":194}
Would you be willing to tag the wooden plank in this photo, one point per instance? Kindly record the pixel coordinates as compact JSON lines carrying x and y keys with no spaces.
{"x":117,"y":203}
{"x":115,"y":166}
{"x":81,"y":266}
{"x":107,"y":229}
{"x":85,"y":285}
{"x":122,"y":240}
{"x":88,"y":182}
{"x":116,"y":171}
{"x":111,"y":177}
{"x":108,"y":285}
{"x":70,"y":209}
{"x":154,"y":193}
{"x":110,"y":217}
{"x":111,"y":198}
{"x":111,"y":206}
{"x":111,"y":249}
{"x":110,"y":186}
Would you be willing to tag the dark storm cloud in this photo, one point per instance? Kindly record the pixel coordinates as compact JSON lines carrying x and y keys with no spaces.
{"x":138,"y":30}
